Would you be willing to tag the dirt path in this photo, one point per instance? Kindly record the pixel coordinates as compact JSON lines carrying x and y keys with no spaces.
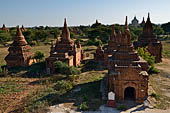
{"x":164,"y":65}
{"x":103,"y":109}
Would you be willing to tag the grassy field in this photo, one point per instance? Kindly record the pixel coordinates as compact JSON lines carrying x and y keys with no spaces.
{"x":36,"y":94}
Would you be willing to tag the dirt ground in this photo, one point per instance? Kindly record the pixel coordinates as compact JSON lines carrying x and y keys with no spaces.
{"x":11,"y":100}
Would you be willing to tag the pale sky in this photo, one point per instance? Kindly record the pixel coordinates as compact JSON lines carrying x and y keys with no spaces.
{"x":80,"y":12}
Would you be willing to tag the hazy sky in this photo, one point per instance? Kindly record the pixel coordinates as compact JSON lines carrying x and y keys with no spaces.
{"x":80,"y":12}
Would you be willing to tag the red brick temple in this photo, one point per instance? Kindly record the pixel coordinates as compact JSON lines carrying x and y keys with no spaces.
{"x":127,"y":71}
{"x":19,"y":52}
{"x":64,"y":50}
{"x":149,"y":39}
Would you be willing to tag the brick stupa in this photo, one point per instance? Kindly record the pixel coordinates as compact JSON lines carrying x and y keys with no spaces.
{"x":64,"y":50}
{"x":127,"y":71}
{"x":149,"y":39}
{"x":23,"y":29}
{"x":19,"y":52}
{"x":4,"y":28}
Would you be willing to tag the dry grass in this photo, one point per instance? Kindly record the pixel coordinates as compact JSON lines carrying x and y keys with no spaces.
{"x":43,"y":48}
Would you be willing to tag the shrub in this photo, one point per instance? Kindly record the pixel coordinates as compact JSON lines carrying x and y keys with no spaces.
{"x":83,"y":106}
{"x":38,"y":56}
{"x":156,"y":96}
{"x":63,"y":68}
{"x":93,"y":42}
{"x":122,"y":108}
{"x":90,"y":65}
{"x":143,"y":52}
{"x":63,"y":85}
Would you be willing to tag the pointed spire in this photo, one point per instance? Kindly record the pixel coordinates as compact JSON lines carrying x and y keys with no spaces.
{"x":126,"y":26}
{"x":148,"y":26}
{"x":19,"y":33}
{"x":3,"y":26}
{"x":119,"y":35}
{"x":126,"y":22}
{"x":65,"y":23}
{"x":65,"y":32}
{"x":143,"y":19}
{"x":149,"y":16}
{"x":113,"y":36}
{"x":97,"y":21}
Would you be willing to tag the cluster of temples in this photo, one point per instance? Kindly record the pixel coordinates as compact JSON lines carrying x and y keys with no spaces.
{"x":19,"y":52}
{"x":64,"y":50}
{"x":127,"y":71}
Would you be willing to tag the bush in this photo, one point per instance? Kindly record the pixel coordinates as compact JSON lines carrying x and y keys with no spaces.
{"x":83,"y":106}
{"x":38,"y":56}
{"x":90,"y":65}
{"x":63,"y":68}
{"x":156,"y":96}
{"x":122,"y":108}
{"x":63,"y":85}
{"x":93,"y":42}
{"x":143,"y":52}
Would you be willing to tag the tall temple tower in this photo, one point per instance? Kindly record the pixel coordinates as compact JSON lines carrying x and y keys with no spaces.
{"x":64,"y":50}
{"x":149,"y":39}
{"x":127,"y":71}
{"x":19,"y":52}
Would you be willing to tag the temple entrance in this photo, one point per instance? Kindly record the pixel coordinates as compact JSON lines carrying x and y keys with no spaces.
{"x":130,"y":93}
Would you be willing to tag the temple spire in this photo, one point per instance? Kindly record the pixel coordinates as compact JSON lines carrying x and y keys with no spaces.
{"x":126,"y":26}
{"x":19,"y":33}
{"x":148,"y":25}
{"x":3,"y":26}
{"x":126,"y":22}
{"x":119,"y":35}
{"x":113,"y":36}
{"x":65,"y":32}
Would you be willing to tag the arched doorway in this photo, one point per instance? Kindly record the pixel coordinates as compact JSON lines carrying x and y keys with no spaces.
{"x":130,"y":93}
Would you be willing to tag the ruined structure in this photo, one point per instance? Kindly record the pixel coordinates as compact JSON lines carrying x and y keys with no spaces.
{"x":19,"y":52}
{"x":127,"y":71}
{"x":4,"y":28}
{"x":64,"y":50}
{"x":149,"y":39}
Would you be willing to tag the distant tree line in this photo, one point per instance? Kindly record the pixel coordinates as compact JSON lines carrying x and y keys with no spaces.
{"x":96,"y":33}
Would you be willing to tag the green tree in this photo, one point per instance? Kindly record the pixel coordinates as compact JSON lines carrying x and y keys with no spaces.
{"x":143,"y":52}
{"x":4,"y":37}
{"x":39,"y":56}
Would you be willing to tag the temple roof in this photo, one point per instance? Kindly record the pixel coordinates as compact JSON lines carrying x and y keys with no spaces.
{"x":148,"y":26}
{"x":19,"y":39}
